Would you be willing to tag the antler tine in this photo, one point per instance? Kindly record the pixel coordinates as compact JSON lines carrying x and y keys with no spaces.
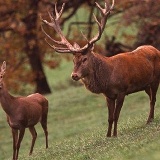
{"x":105,"y":10}
{"x":59,"y":14}
{"x":68,"y":47}
{"x":55,"y":24}
{"x":95,"y":18}
{"x":111,"y":8}
{"x":51,"y":17}
{"x":100,"y":8}
{"x":58,"y":42}
{"x":101,"y":24}
{"x":58,"y":49}
{"x":51,"y":25}
{"x":84,"y":36}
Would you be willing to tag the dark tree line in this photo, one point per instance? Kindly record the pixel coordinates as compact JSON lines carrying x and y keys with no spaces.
{"x":22,"y":42}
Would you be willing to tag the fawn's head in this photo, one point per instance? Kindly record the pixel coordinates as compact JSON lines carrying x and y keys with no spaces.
{"x":2,"y":72}
{"x":81,"y":57}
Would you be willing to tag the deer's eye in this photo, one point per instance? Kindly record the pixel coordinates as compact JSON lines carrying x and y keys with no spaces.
{"x":84,"y":60}
{"x":1,"y":76}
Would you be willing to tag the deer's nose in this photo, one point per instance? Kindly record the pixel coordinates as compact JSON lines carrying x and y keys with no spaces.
{"x":75,"y":76}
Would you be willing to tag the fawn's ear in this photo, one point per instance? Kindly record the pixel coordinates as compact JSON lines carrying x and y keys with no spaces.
{"x":3,"y":67}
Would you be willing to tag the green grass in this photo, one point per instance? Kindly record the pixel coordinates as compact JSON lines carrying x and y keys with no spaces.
{"x":77,"y":123}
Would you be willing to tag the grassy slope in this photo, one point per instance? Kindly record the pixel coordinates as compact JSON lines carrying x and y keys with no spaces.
{"x":77,"y":125}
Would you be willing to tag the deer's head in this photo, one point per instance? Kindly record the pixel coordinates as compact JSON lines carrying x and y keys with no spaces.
{"x":81,"y":55}
{"x":82,"y":64}
{"x":2,"y":72}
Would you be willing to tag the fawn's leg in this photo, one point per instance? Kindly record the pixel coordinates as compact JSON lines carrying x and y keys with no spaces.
{"x":34,"y":136}
{"x":21,"y":134}
{"x":15,"y":139}
{"x":44,"y":126}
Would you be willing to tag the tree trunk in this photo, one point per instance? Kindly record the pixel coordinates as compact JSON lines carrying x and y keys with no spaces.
{"x":32,"y":49}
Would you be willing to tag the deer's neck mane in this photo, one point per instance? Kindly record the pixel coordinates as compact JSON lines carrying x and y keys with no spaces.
{"x":7,"y":101}
{"x":96,"y":81}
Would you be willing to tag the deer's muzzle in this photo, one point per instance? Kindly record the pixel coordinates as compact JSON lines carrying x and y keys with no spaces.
{"x":75,"y":76}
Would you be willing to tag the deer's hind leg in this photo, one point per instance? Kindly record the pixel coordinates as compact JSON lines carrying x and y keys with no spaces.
{"x":44,"y":126}
{"x":152,"y":91}
{"x":34,"y":136}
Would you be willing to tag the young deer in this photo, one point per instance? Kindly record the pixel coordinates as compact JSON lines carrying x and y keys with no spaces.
{"x":114,"y":77}
{"x":22,"y":113}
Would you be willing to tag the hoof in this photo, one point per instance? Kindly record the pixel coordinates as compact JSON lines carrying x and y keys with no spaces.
{"x":149,"y":121}
{"x":114,"y":136}
{"x":108,"y":135}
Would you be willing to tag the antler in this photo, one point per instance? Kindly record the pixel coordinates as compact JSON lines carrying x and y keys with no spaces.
{"x":67,"y":47}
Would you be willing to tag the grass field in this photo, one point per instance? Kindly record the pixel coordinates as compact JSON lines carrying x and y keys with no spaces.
{"x":77,"y":124}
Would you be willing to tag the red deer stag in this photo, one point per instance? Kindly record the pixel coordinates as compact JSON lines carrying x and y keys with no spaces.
{"x":114,"y":77}
{"x":23,"y":112}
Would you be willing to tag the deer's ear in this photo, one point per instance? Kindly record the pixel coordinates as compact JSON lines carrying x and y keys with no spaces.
{"x":3,"y":67}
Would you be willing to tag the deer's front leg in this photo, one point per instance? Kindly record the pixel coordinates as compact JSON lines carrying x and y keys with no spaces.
{"x":119,"y":103}
{"x":15,"y":139}
{"x":111,"y":108}
{"x":21,"y":134}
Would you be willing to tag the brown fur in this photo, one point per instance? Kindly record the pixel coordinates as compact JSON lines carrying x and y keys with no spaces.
{"x":23,"y":112}
{"x":118,"y":76}
{"x":114,"y":77}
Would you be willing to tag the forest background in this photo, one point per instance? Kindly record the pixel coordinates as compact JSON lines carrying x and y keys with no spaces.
{"x":132,"y":23}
